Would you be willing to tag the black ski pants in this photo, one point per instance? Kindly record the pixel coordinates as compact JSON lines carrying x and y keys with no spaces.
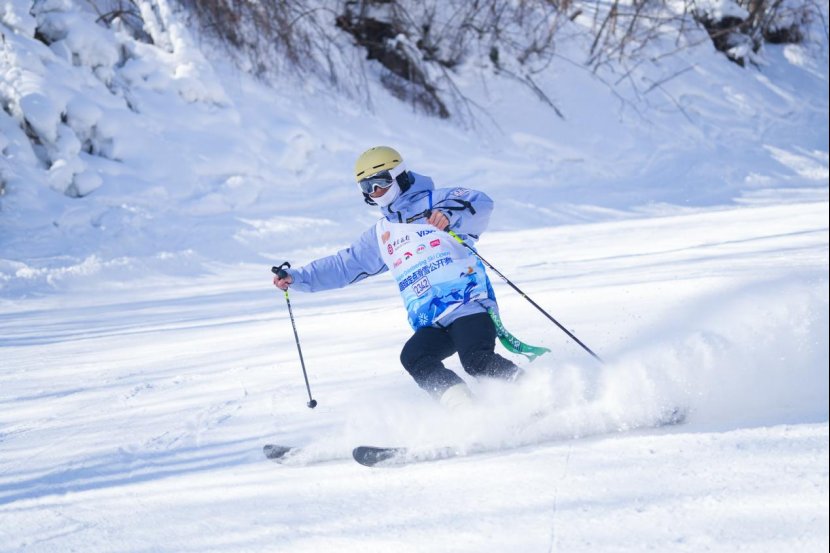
{"x":473,"y":337}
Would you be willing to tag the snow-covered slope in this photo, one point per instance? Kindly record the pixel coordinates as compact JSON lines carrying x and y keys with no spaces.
{"x":133,"y":415}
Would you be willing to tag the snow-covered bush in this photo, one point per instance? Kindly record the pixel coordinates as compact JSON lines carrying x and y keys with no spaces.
{"x":740,"y":28}
{"x":416,"y":48}
{"x":411,"y":47}
{"x":74,"y":72}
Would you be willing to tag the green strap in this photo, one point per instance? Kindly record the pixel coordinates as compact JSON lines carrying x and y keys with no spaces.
{"x":513,"y":344}
{"x":510,"y":342}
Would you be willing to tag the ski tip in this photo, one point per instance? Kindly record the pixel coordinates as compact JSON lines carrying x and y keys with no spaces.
{"x":276,"y":452}
{"x":370,"y":456}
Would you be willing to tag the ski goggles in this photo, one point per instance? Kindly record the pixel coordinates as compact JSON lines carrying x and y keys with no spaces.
{"x":384,"y":179}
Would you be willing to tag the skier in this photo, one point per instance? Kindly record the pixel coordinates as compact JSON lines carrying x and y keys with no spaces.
{"x":430,"y":267}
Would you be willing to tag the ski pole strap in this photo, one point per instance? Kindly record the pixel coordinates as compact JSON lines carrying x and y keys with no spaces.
{"x":513,"y":344}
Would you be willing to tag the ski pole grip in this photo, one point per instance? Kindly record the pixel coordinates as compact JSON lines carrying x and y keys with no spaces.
{"x":280,"y":271}
{"x":422,"y":215}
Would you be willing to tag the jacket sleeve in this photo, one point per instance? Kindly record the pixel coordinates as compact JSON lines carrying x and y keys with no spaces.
{"x":468,"y":210}
{"x":353,"y":264}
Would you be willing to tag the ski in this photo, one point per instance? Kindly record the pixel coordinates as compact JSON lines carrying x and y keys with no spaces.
{"x":277,"y":452}
{"x":301,"y":456}
{"x":371,"y":456}
{"x":374,"y":456}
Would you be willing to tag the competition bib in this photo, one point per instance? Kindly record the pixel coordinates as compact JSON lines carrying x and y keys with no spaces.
{"x":435,"y":274}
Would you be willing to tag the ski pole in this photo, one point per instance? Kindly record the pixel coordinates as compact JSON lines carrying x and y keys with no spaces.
{"x":525,"y":296}
{"x":427,"y":213}
{"x":280,"y":272}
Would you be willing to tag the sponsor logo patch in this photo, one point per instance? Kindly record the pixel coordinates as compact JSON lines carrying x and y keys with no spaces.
{"x":398,"y":242}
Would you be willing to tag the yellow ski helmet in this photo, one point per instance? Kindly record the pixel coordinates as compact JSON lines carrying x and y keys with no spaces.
{"x":382,"y":159}
{"x":375,"y":160}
